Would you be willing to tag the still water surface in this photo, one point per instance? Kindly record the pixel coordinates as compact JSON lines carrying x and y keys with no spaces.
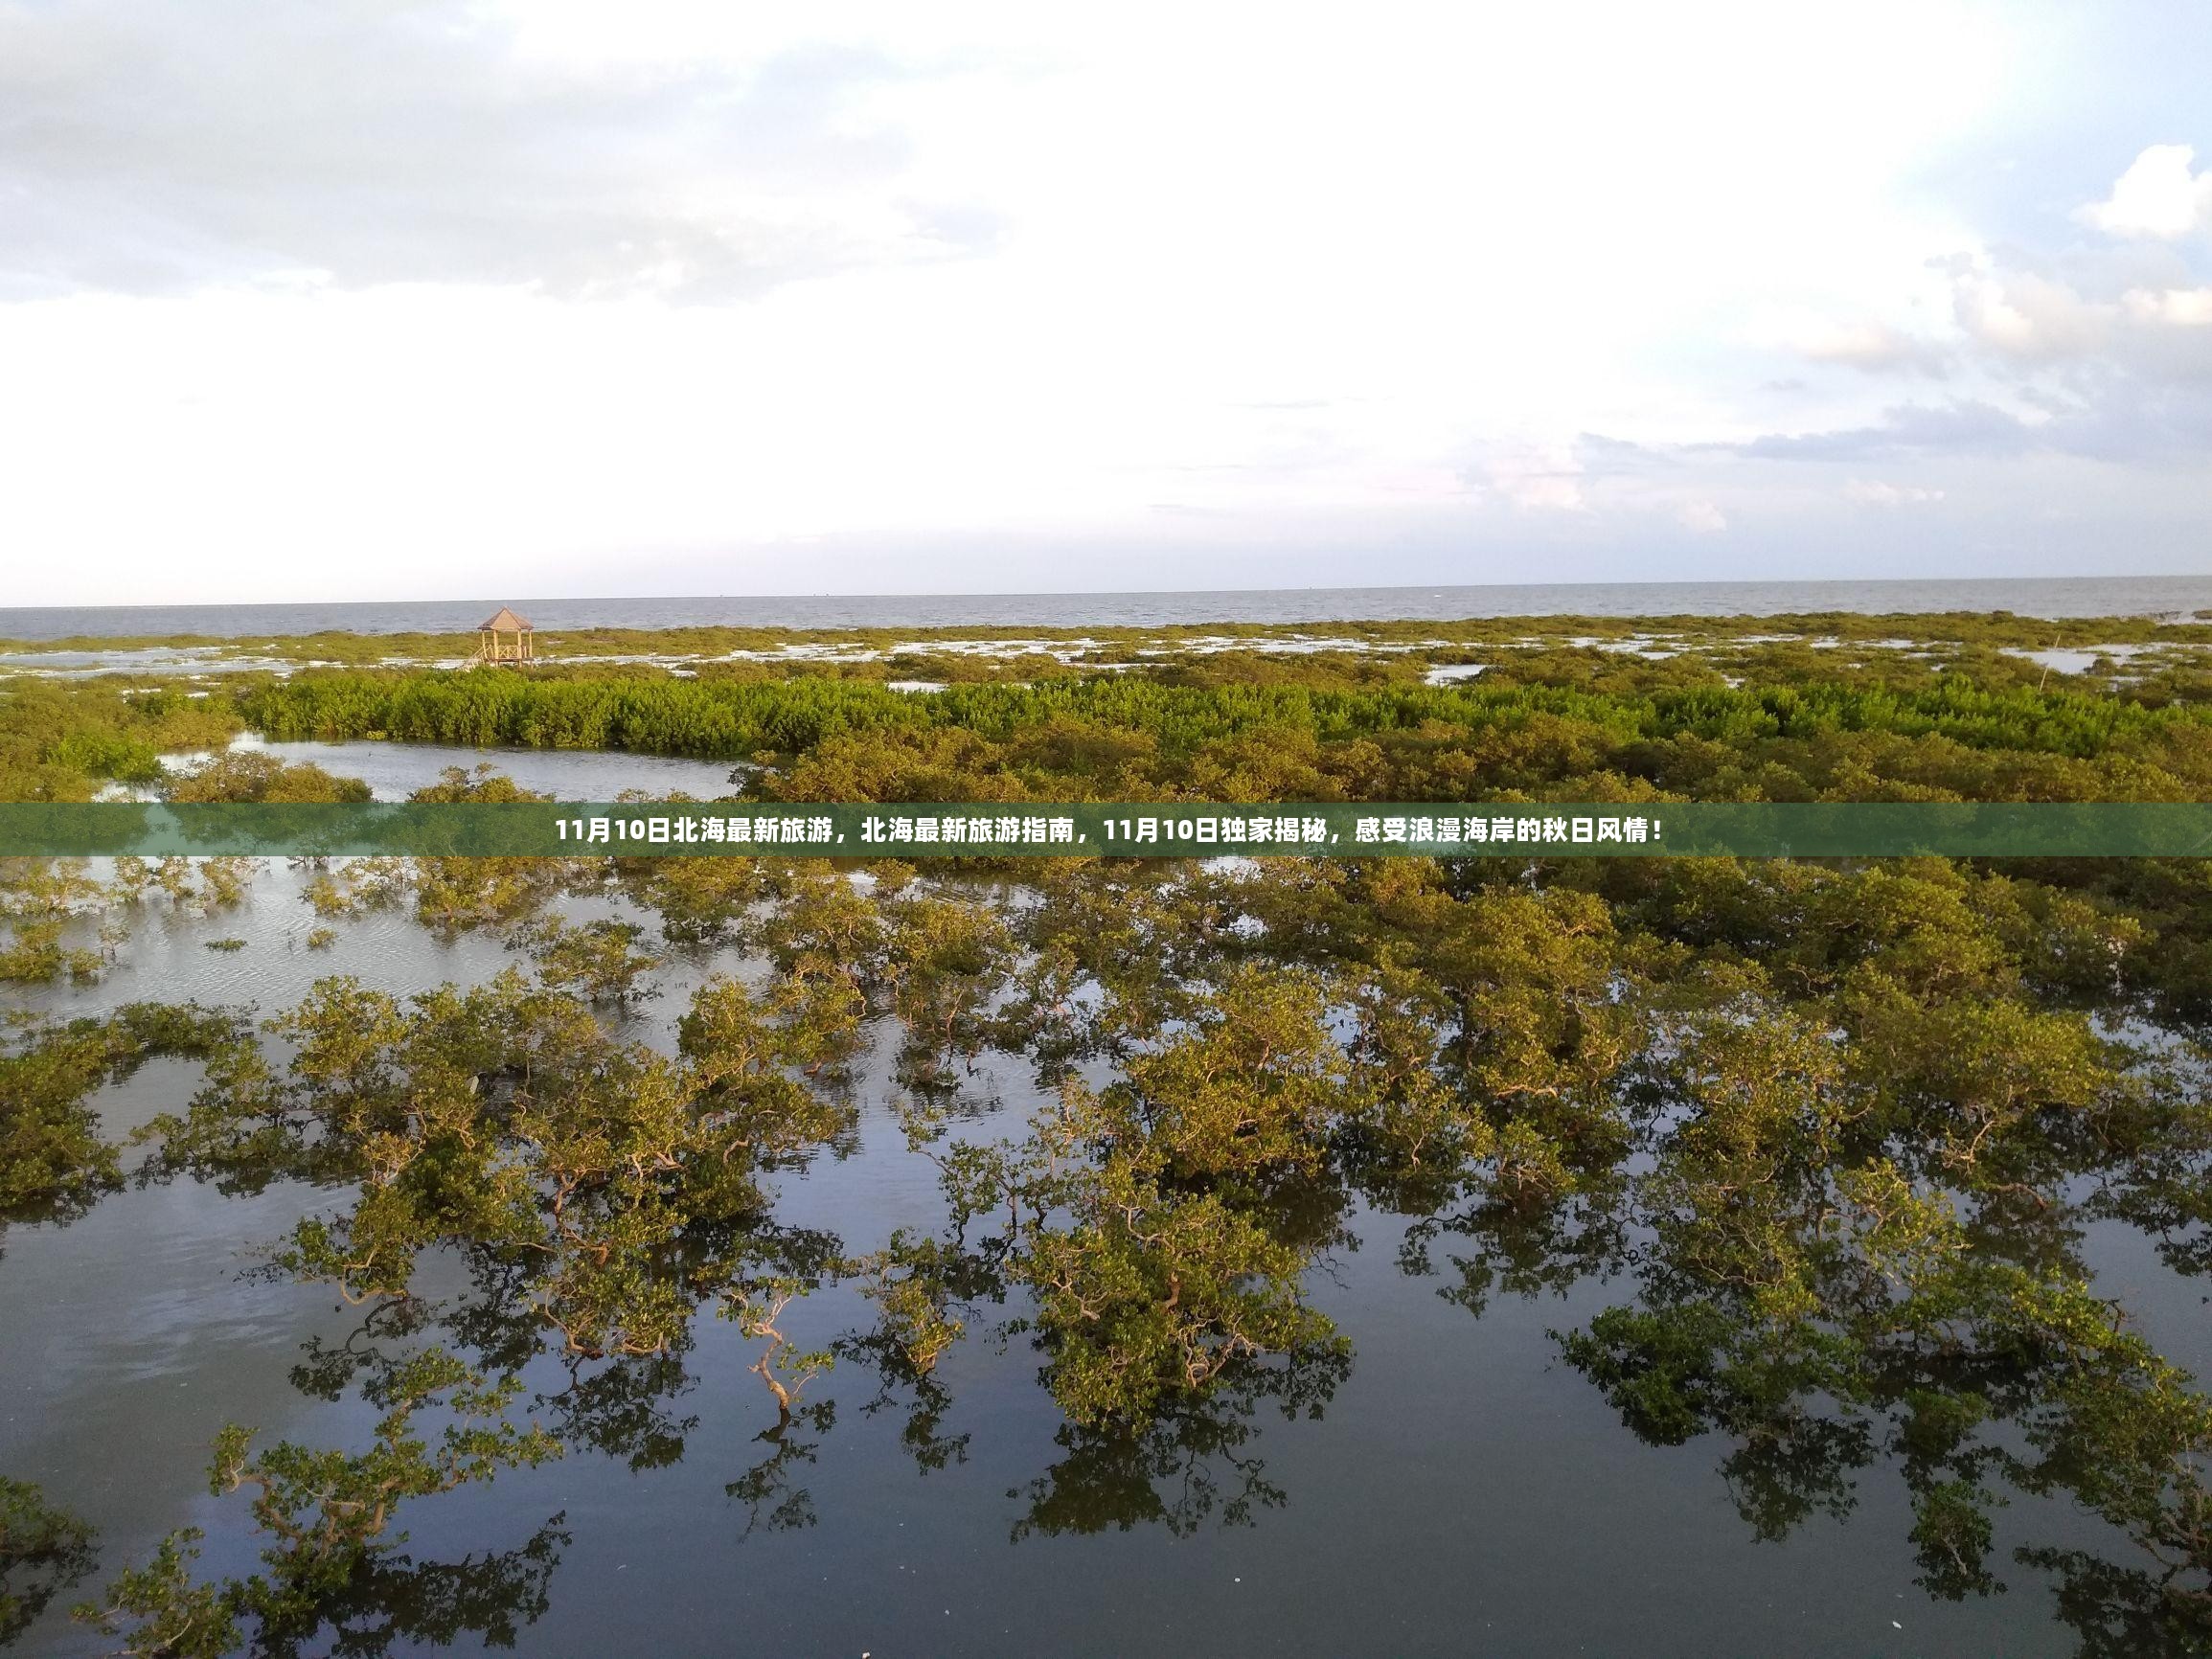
{"x":394,"y":771}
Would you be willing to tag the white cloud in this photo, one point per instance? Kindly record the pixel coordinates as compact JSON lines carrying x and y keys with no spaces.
{"x":2029,"y":317}
{"x":2176,"y":307}
{"x":1872,"y":345}
{"x":1874,"y":492}
{"x":1546,"y":480}
{"x":2159,"y":196}
{"x":1701,"y":516}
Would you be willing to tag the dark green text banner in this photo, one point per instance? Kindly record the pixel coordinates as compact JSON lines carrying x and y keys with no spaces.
{"x":751,"y":830}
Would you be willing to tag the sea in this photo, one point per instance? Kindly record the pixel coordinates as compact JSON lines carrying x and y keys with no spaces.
{"x":2176,"y":596}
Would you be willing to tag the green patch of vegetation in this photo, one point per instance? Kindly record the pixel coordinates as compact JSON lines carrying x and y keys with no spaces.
{"x":251,"y":776}
{"x":55,"y":1162}
{"x":1144,"y":737}
{"x":61,"y":740}
{"x":42,"y":900}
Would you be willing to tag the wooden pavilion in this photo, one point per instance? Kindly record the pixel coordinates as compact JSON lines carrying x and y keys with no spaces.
{"x":504,"y":638}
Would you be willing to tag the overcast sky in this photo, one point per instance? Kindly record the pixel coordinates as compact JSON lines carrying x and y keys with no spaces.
{"x":363,"y":299}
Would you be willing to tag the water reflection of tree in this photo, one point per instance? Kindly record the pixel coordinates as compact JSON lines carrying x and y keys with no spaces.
{"x":774,"y":1502}
{"x":1519,"y":1249}
{"x":43,"y":1551}
{"x":1186,"y":1464}
{"x":622,"y":1408}
{"x":394,"y":1599}
{"x":329,"y":1562}
{"x":903,"y":1384}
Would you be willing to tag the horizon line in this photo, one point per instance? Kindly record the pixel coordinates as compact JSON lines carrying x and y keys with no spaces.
{"x":1135,"y":592}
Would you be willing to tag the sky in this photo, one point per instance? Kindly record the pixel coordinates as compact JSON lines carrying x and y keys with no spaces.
{"x":416,"y":299}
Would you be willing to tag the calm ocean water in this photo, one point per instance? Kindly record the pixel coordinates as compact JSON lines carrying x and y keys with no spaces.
{"x":2044,"y":597}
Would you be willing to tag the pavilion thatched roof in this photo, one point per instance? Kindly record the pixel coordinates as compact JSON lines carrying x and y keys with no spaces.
{"x":505,"y":621}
